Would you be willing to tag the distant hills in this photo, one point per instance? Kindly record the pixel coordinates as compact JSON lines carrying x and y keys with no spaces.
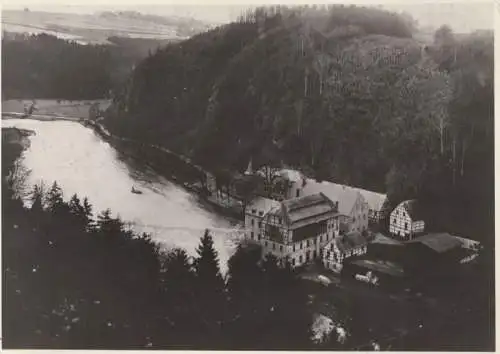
{"x":97,"y":28}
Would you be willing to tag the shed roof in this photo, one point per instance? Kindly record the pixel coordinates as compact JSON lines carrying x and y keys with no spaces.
{"x":381,"y":239}
{"x":438,"y":242}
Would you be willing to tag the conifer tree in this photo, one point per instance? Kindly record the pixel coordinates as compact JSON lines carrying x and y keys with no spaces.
{"x":77,"y":211}
{"x":210,"y":292}
{"x":55,"y":200}
{"x":87,"y":210}
{"x":37,"y":198}
{"x":178,"y":308}
{"x":108,"y":225}
{"x":247,"y":298}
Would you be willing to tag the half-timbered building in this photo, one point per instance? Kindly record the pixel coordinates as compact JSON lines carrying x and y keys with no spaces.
{"x":406,"y":220}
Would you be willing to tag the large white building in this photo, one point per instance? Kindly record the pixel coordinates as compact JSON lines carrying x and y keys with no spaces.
{"x":296,"y":229}
{"x":353,"y":207}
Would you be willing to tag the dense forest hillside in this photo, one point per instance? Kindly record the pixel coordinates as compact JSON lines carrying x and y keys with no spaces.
{"x":342,"y":93}
{"x":44,"y":66}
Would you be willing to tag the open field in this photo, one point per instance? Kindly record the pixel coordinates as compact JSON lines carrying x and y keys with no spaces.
{"x":96,"y":28}
{"x":74,"y":109}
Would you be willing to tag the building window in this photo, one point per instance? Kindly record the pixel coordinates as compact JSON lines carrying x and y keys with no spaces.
{"x":265,"y":243}
{"x":297,"y":193}
{"x":307,"y":243}
{"x":393,"y":221}
{"x":254,"y":211}
{"x":279,"y":220}
{"x":258,"y":236}
{"x":406,"y":226}
{"x":260,"y":224}
{"x":300,"y":259}
{"x":253,"y":222}
{"x":301,"y":245}
{"x":293,"y":248}
{"x":274,"y":246}
{"x":293,"y":261}
{"x":251,"y":235}
{"x":281,"y":248}
{"x":261,"y":212}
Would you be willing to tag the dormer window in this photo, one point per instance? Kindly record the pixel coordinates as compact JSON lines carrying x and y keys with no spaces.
{"x":261,"y":213}
{"x":254,"y":211}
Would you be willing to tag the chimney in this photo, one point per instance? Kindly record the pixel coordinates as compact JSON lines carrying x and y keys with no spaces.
{"x":337,"y":205}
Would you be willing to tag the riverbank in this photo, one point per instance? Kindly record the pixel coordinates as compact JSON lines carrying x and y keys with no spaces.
{"x":60,"y":109}
{"x":16,"y":136}
{"x":177,"y":168}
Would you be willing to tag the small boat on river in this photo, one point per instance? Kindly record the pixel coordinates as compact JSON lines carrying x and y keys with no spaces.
{"x":136,"y":191}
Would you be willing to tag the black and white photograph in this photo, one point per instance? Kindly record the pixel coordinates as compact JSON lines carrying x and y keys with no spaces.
{"x":282,"y":176}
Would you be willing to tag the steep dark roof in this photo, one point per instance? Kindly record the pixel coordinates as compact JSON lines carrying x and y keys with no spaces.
{"x":414,"y":209}
{"x":439,"y":242}
{"x":306,"y":207}
{"x":350,"y":241}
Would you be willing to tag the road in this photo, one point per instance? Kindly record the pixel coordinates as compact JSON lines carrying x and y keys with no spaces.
{"x":43,"y":117}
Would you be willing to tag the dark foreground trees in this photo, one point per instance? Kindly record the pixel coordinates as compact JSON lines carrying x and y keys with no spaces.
{"x":75,"y":281}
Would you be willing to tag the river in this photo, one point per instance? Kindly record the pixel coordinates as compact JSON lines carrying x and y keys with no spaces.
{"x":82,"y":163}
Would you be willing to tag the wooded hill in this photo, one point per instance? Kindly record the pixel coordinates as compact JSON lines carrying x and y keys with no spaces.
{"x":44,"y":66}
{"x":342,"y":93}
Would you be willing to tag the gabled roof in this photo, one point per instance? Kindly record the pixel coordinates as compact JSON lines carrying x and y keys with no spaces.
{"x":298,"y":209}
{"x":349,"y":241}
{"x":413,"y":209}
{"x":262,"y":204}
{"x":291,"y":175}
{"x":346,"y":196}
{"x":375,"y":200}
{"x":438,"y":242}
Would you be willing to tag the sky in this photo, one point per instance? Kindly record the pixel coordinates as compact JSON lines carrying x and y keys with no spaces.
{"x":462,"y":16}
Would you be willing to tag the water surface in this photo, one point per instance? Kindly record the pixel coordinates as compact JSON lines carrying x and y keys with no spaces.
{"x":82,"y":163}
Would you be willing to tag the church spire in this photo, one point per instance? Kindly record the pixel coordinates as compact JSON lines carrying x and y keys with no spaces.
{"x":249,"y":170}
